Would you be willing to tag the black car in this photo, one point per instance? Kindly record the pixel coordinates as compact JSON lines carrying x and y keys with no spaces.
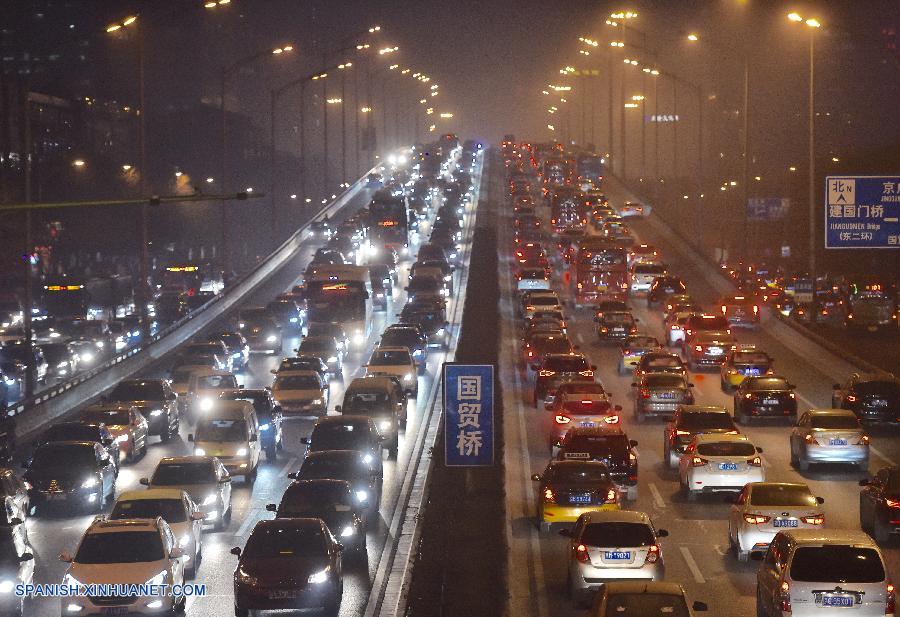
{"x":287,"y":313}
{"x":62,"y":360}
{"x":382,"y":284}
{"x":268,"y":413}
{"x":409,"y":336}
{"x":431,"y":319}
{"x":879,"y":504}
{"x":663,"y":287}
{"x":81,"y":431}
{"x":607,"y":444}
{"x":333,"y":502}
{"x":572,"y":367}
{"x":615,"y":326}
{"x":236,"y":346}
{"x":378,"y":397}
{"x":873,"y":397}
{"x":156,"y":401}
{"x":768,"y":395}
{"x":348,"y":432}
{"x":347,"y":465}
{"x":328,"y":256}
{"x":73,"y":475}
{"x":320,"y":229}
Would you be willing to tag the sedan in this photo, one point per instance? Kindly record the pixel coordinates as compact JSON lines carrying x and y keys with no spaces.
{"x":829,"y":436}
{"x":690,"y":421}
{"x":540,"y":344}
{"x":708,"y":348}
{"x":713,"y":463}
{"x":615,"y":325}
{"x":879,"y":504}
{"x":326,"y":348}
{"x":640,"y":598}
{"x":762,"y":509}
{"x":769,"y":395}
{"x":742,"y":362}
{"x":632,"y":348}
{"x":660,"y":394}
{"x":568,"y":489}
{"x":301,"y":393}
{"x":347,"y":465}
{"x":204,"y":478}
{"x":128,"y":428}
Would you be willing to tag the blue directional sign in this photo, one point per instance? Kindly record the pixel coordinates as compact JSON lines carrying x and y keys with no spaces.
{"x":468,"y":414}
{"x":862,"y":212}
{"x":767,"y":208}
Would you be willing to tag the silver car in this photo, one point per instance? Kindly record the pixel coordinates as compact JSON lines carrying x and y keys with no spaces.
{"x":829,"y":436}
{"x":660,"y":394}
{"x":204,"y":478}
{"x":612,"y":545}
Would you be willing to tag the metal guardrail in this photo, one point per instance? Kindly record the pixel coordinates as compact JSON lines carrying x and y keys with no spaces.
{"x":52,"y":402}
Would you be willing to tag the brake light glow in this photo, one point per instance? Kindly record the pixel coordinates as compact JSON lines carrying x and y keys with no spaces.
{"x":614,"y":419}
{"x":587,"y":373}
{"x":681,"y":432}
{"x":697,"y":461}
{"x":611,"y":496}
{"x":581,"y":553}
{"x":811,"y":440}
{"x":815,"y":519}
{"x":561,"y":419}
{"x":724,"y":309}
{"x":755,"y":462}
{"x":890,"y":601}
{"x":891,"y":503}
{"x":645,"y":392}
{"x":851,"y":398}
{"x":785,"y":597}
{"x":755,"y":309}
{"x":863,"y":441}
{"x":546,"y":373}
{"x":698,"y":348}
{"x":548,"y":495}
{"x":756,"y":519}
{"x":653,"y":553}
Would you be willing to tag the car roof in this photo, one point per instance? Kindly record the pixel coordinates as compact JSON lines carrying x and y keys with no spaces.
{"x":343,"y":419}
{"x":388,"y":348}
{"x":829,"y":536}
{"x":296,"y":372}
{"x":616,"y":516}
{"x":290,"y":523}
{"x":182,"y":460}
{"x":127,"y":524}
{"x":599,"y":431}
{"x":371,"y":383}
{"x":151,"y":493}
{"x":206,"y":371}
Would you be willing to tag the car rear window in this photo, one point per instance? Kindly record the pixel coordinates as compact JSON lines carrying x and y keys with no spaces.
{"x":711,"y":323}
{"x":835,"y":422}
{"x":567,"y":364}
{"x":617,"y":535}
{"x":782,"y":495}
{"x":645,"y":605}
{"x":705,"y":420}
{"x":726,"y":448}
{"x":649,"y":269}
{"x":750,"y":357}
{"x":586,"y":407}
{"x":837,"y":563}
{"x":663,"y":362}
{"x":664,"y":380}
{"x":768,"y":383}
{"x":879,"y":388}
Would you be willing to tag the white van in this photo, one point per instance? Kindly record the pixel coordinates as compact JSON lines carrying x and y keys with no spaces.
{"x":230,"y":432}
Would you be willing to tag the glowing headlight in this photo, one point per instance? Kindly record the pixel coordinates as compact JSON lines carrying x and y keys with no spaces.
{"x":158,"y":579}
{"x":362,"y":495}
{"x":271,"y":338}
{"x":408,"y":377}
{"x":122,"y":438}
{"x":199,"y":452}
{"x":367,"y":459}
{"x":100,"y":344}
{"x":440,"y":330}
{"x":316,"y":401}
{"x":90,"y":482}
{"x":242,"y":325}
{"x":184,"y":540}
{"x":73,"y":608}
{"x":384,"y":425}
{"x":264,"y":427}
{"x":87,"y":357}
{"x":359,"y":338}
{"x":62,"y":364}
{"x":210,"y":500}
{"x":241,"y":452}
{"x":319,"y":577}
{"x":7,"y":586}
{"x":346,"y":532}
{"x":206,"y":403}
{"x":156,"y":412}
{"x":447,"y":277}
{"x":332,"y":359}
{"x":293,"y":320}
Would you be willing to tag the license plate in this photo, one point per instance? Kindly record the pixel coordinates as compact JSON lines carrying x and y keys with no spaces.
{"x":837,"y":442}
{"x":578,"y":455}
{"x":784,"y":522}
{"x":879,"y":403}
{"x":618,"y":329}
{"x":728,"y":466}
{"x":837,"y":601}
{"x":115,"y":610}
{"x":586,"y":498}
{"x":666,"y":395}
{"x":714,"y":351}
{"x":587,"y":424}
{"x":752,"y":372}
{"x":770,"y":401}
{"x":282,"y":594}
{"x":616,"y":555}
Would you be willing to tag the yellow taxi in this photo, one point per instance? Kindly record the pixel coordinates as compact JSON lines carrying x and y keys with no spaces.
{"x":567,"y":489}
{"x":742,"y":362}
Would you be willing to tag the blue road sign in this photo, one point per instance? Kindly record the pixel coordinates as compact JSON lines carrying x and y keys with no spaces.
{"x":862,"y":212}
{"x":767,"y":208}
{"x":468,"y":414}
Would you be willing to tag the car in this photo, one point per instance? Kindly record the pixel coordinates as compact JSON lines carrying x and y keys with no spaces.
{"x":644,"y":598}
{"x":204,"y":387}
{"x":873,"y":397}
{"x":62,"y":360}
{"x":288,"y":563}
{"x":303,"y":362}
{"x":230,"y":432}
{"x":82,"y":431}
{"x":615,"y":325}
{"x":397,"y":361}
{"x":301,"y":393}
{"x":287,"y":313}
{"x":673,"y":325}
{"x":532,"y":278}
{"x":576,"y":389}
{"x":588,"y":406}
{"x":612,"y":546}
{"x":607,"y":443}
{"x":708,"y":349}
{"x":328,"y":256}
{"x":214,"y":348}
{"x":568,"y":489}
{"x":767,"y":395}
{"x":382,"y":280}
{"x":18,"y":352}
{"x":659,"y":362}
{"x":741,"y":311}
{"x":718,"y":462}
{"x":74,"y":475}
{"x":177,"y":509}
{"x":829,"y":436}
{"x":690,"y":421}
{"x":879,"y":504}
{"x":643,"y":274}
{"x":425,"y":286}
{"x":431,"y":318}
{"x":155,"y":399}
{"x":337,"y":332}
{"x":632,"y":209}
{"x":127,"y":427}
{"x":268,"y":414}
{"x":383,"y":398}
{"x":322,"y":228}
{"x":816,"y":571}
{"x":539,"y":344}
{"x":261,"y":330}
{"x":134,"y":551}
{"x":662,"y":288}
{"x":204,"y":478}
{"x":741,"y":362}
{"x":17,"y":565}
{"x":348,"y":432}
{"x":326,"y":348}
{"x":568,"y":366}
{"x":409,"y":336}
{"x":347,"y":465}
{"x":632,"y":348}
{"x":762,"y":509}
{"x":660,"y":394}
{"x":333,"y":502}
{"x":703,"y":322}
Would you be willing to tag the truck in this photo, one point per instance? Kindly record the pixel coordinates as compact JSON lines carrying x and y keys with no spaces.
{"x":389,"y":221}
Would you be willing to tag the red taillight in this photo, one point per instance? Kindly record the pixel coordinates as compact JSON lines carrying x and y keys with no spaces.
{"x":890,"y":602}
{"x":645,"y":393}
{"x":587,"y":373}
{"x":755,"y":461}
{"x":681,"y":432}
{"x":626,"y":352}
{"x":755,"y":309}
{"x":561,"y":419}
{"x":811,"y":440}
{"x":851,"y":398}
{"x":545,"y":373}
{"x":548,"y":496}
{"x":815,"y":519}
{"x":698,"y":348}
{"x":724,"y":309}
{"x":673,"y":327}
{"x":653,"y":553}
{"x":581,"y":554}
{"x":611,"y":496}
{"x":784,"y":597}
{"x":891,"y":503}
{"x":756,"y":519}
{"x":697,"y":461}
{"x":863,"y":441}
{"x":611,"y":419}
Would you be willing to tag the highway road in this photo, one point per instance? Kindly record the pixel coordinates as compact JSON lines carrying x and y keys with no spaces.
{"x":52,"y":535}
{"x":696,"y":552}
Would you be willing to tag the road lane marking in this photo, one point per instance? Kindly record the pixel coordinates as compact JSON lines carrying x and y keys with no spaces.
{"x":287,"y":466}
{"x":720,"y":551}
{"x":248,"y":520}
{"x":806,"y":401}
{"x":657,"y":496}
{"x":691,"y":564}
{"x":882,"y":456}
{"x":579,"y":337}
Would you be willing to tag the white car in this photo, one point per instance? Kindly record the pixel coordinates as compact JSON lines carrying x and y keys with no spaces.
{"x":540,"y":301}
{"x":714,"y":463}
{"x":301,"y":393}
{"x":126,"y":552}
{"x":763,"y":509}
{"x":643,"y":274}
{"x":204,"y":478}
{"x":175,"y":507}
{"x":396,"y":361}
{"x":633,"y":208}
{"x":205,"y":386}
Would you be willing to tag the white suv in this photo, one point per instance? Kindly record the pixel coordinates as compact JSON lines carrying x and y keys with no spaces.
{"x":125,"y":552}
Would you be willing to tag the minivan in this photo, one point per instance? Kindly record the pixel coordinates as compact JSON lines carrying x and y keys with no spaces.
{"x":230,"y":432}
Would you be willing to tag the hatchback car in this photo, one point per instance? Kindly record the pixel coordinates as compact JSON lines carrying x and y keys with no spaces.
{"x":829,"y":436}
{"x":660,"y":394}
{"x":713,"y":463}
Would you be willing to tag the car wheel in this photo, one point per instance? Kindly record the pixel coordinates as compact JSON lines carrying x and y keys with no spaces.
{"x":795,"y":462}
{"x":272,"y":453}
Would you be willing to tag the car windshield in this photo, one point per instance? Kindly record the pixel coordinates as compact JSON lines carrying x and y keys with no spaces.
{"x":579,"y":474}
{"x":222,"y":430}
{"x":726,"y":448}
{"x":663,"y":380}
{"x":67,"y":456}
{"x":544,"y":300}
{"x":567,"y":364}
{"x":834,"y":422}
{"x":174,"y":474}
{"x":400,"y":339}
{"x":120,"y":547}
{"x":361,"y":400}
{"x":110,"y":417}
{"x":285,"y":542}
{"x":390,"y":357}
{"x":297,"y":382}
{"x":663,"y":362}
{"x":71,"y":432}
{"x":645,"y":605}
{"x":700,"y":420}
{"x":313,"y":345}
{"x":582,"y":388}
{"x":171,"y":510}
{"x":553,"y":344}
{"x":618,"y":318}
{"x":837,"y":563}
{"x":336,"y":468}
{"x":618,"y":534}
{"x":750,"y":357}
{"x":879,"y":388}
{"x":137,"y":391}
{"x":782,"y":495}
{"x":768,"y":383}
{"x":216,"y":382}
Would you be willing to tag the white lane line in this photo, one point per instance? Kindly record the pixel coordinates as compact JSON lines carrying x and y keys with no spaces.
{"x":692,"y":565}
{"x":720,"y":551}
{"x":287,"y":466}
{"x":806,"y":401}
{"x":882,"y":456}
{"x":580,"y":337}
{"x":249,"y":519}
{"x":657,"y":496}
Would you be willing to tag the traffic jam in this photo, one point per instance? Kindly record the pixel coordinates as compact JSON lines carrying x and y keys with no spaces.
{"x":639,"y":397}
{"x":304,"y":401}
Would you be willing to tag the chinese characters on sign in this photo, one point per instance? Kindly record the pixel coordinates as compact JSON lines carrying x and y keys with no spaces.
{"x":767,"y":208}
{"x":468,"y":414}
{"x":862,"y":212}
{"x":663,"y":118}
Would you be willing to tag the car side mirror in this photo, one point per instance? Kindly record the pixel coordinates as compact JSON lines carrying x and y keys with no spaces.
{"x":701,"y":607}
{"x":759,"y":450}
{"x":536,"y":477}
{"x":865,"y":482}
{"x":633,"y":443}
{"x":566,"y":533}
{"x":66,"y":557}
{"x":820,"y":500}
{"x":662,"y":533}
{"x":25,"y":557}
{"x":197,"y":516}
{"x":145,"y":481}
{"x":191,"y":437}
{"x":236,"y":551}
{"x":271,"y":507}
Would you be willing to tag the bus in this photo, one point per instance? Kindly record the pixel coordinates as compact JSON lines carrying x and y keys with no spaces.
{"x":389,"y":222}
{"x":590,"y":169}
{"x":192,"y":278}
{"x":341,"y":294}
{"x":871,"y":304}
{"x":567,"y":210}
{"x":601,"y":271}
{"x":95,"y":298}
